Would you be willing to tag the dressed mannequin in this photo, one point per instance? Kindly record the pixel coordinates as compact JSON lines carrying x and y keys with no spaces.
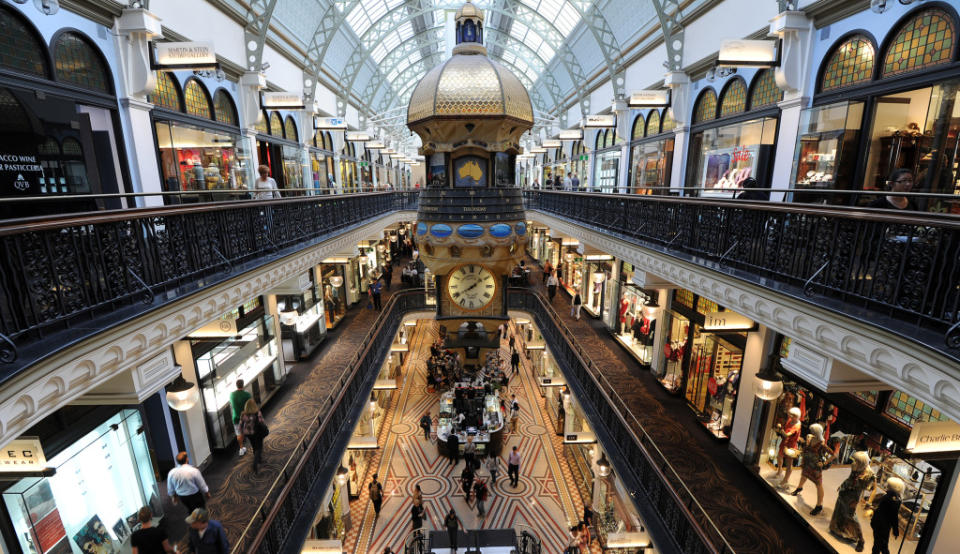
{"x":886,"y":517}
{"x":816,"y":456}
{"x":624,"y":306}
{"x":844,"y":522}
{"x":790,"y":435}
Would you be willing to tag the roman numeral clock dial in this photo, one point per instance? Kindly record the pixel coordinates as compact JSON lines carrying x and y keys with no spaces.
{"x":471,"y":286}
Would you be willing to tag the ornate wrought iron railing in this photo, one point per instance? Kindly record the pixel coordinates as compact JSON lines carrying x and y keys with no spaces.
{"x":64,"y":278}
{"x":899,"y":272}
{"x":675,"y":519}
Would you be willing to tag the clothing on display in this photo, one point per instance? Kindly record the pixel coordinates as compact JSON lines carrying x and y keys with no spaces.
{"x":635,"y":330}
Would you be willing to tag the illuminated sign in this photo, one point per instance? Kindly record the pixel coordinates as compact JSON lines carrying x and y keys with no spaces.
{"x":23,"y":454}
{"x":329,"y":123}
{"x":571,"y":134}
{"x":649,"y":99}
{"x":357,"y":136}
{"x":934,"y":436}
{"x":598,"y":121}
{"x":281,"y":101}
{"x":748,"y":53}
{"x":726,"y":321}
{"x":183,"y":55}
{"x":538,"y":150}
{"x":551,"y":143}
{"x":374,"y":145}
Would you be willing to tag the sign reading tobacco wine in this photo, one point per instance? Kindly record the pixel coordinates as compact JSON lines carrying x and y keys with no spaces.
{"x":21,"y":171}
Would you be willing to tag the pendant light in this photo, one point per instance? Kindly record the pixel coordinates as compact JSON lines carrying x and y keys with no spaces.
{"x":651,"y":309}
{"x":768,"y":385}
{"x":336,"y":281}
{"x":603,"y":466}
{"x":342,"y":476}
{"x":182,"y":394}
{"x":599,"y":277}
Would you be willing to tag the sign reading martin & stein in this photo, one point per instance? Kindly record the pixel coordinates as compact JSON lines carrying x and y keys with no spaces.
{"x":934,"y":436}
{"x":183,"y":55}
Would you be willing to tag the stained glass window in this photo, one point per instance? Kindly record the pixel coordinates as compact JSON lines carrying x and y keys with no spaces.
{"x":290,"y":128}
{"x":706,"y":106}
{"x":262,"y":127}
{"x":598,"y":144}
{"x":706,"y":306}
{"x":850,"y":64}
{"x":868,"y":397}
{"x":910,"y":410}
{"x":75,"y":61}
{"x":668,"y":123}
{"x":765,"y":90}
{"x":223,"y":108}
{"x":734,"y":98}
{"x":20,"y":49}
{"x":638,"y":127}
{"x":166,"y":94}
{"x":683,"y":297}
{"x":49,"y":147}
{"x":653,"y":123}
{"x":924,"y":41}
{"x":195,"y":99}
{"x":276,"y":124}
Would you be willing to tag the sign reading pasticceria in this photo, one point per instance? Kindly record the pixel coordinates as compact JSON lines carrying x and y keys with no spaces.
{"x":21,"y":171}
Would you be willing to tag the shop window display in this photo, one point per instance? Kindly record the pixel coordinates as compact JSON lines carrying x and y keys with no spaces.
{"x":596,"y":276}
{"x":91,"y":502}
{"x":651,"y":166}
{"x":849,"y":474}
{"x":714,"y":381}
{"x":334,"y":293}
{"x":826,"y":149}
{"x":196,"y":159}
{"x":724,"y":157}
{"x":607,"y":168}
{"x":571,"y":272}
{"x":674,"y":350}
{"x":635,"y":328}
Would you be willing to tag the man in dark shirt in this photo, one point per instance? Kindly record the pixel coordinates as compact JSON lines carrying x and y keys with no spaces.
{"x":149,"y":539}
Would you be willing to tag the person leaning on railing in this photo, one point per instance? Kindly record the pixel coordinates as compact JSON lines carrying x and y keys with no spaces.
{"x":265,"y":188}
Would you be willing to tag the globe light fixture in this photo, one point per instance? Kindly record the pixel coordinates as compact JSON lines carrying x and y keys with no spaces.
{"x":767,"y":385}
{"x":182,"y":394}
{"x":569,"y":256}
{"x":381,"y":247}
{"x":336,"y":281}
{"x":651,"y":309}
{"x":603,"y":465}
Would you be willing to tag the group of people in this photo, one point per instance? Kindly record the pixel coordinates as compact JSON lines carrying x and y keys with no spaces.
{"x":444,"y":368}
{"x":570,"y":182}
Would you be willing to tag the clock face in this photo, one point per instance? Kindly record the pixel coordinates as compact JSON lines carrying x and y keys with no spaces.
{"x":471,"y":286}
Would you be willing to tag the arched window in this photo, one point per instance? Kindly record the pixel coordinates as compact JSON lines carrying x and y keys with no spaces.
{"x":851,"y":63}
{"x":290,"y":128}
{"x":263,"y":126}
{"x":734,"y":98}
{"x":706,"y":108}
{"x":638,"y":128}
{"x":13,"y":118}
{"x":76,"y":61}
{"x":21,"y":49}
{"x":598,"y":144}
{"x":923,"y":41}
{"x":223,"y":109}
{"x":195,"y":99}
{"x":167,"y":94}
{"x":667,"y":124}
{"x":276,"y":125}
{"x":765,"y":90}
{"x":328,"y":140}
{"x":653,"y":123}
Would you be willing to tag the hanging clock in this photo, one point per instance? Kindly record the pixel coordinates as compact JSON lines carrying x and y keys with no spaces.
{"x":471,"y":286}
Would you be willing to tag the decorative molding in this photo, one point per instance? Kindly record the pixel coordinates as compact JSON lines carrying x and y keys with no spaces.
{"x":69,"y":375}
{"x":879,"y":354}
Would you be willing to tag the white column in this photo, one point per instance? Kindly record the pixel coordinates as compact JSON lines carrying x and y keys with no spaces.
{"x":659,"y":331}
{"x":679,"y":84}
{"x":786,"y":146}
{"x":249,"y":107}
{"x":753,"y":357}
{"x":192,"y":421}
{"x":946,"y":534}
{"x":623,"y":140}
{"x":140,"y":139}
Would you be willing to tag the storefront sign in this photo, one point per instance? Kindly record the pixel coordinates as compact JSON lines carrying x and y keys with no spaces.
{"x":726,"y":321}
{"x":22,"y":171}
{"x":281,"y":101}
{"x":357,"y":136}
{"x":551,"y":143}
{"x":23,"y":454}
{"x":597,"y":121}
{"x":320,"y":546}
{"x":571,"y":134}
{"x":538,"y":150}
{"x":183,"y":55}
{"x":649,"y":99}
{"x":748,"y":53}
{"x":329,"y":122}
{"x":934,"y":436}
{"x":374,"y":145}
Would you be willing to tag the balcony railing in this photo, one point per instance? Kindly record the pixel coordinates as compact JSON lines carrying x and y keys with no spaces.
{"x":899,"y":272}
{"x":64,"y":278}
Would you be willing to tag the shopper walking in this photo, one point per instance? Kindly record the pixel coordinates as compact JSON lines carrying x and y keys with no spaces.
{"x":575,"y":306}
{"x":387,"y":275}
{"x":186,"y":484}
{"x":470,"y":452}
{"x":425,"y":423}
{"x":376,"y":495}
{"x":238,"y":399}
{"x":514,"y":413}
{"x":265,"y":188}
{"x":493,"y":466}
{"x":513,"y":467}
{"x":417,"y":495}
{"x":480,"y":491}
{"x":466,"y":482}
{"x":149,"y":539}
{"x":552,"y":283}
{"x":453,"y":528}
{"x":416,"y":515}
{"x":514,"y":363}
{"x":255,"y":428}
{"x":547,"y":270}
{"x":377,"y":289}
{"x":206,"y":535}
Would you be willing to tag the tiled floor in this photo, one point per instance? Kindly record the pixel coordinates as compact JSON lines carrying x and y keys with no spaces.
{"x":543,"y":500}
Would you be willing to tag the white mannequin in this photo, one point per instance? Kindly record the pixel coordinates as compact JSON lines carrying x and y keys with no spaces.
{"x":816,"y":455}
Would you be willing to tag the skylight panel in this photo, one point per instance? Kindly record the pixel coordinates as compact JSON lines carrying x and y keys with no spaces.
{"x":379,"y":53}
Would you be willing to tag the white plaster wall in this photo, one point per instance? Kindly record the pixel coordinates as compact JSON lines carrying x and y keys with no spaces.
{"x":729,"y":19}
{"x":326,"y":99}
{"x":282,"y":72}
{"x":647,"y":70}
{"x":353,"y":116}
{"x":196,"y":21}
{"x":601,"y":98}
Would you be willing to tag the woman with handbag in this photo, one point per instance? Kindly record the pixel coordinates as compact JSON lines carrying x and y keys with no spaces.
{"x":816,"y":458}
{"x":254,"y":428}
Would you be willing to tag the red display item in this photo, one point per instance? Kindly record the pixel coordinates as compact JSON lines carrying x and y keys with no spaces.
{"x":712,"y":386}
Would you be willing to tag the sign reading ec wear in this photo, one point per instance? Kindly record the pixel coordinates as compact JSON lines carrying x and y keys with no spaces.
{"x":23,"y":454}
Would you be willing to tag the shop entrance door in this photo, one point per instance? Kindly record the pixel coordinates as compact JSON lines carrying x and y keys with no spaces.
{"x":271,"y":156}
{"x":701,"y":369}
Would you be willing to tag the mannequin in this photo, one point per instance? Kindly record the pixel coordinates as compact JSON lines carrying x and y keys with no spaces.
{"x":790,"y":435}
{"x":844,"y":522}
{"x":624,"y":306}
{"x":816,"y":455}
{"x":886,"y":517}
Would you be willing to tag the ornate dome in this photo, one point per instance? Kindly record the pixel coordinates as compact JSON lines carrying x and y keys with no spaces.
{"x":471,"y":86}
{"x":469,"y":10}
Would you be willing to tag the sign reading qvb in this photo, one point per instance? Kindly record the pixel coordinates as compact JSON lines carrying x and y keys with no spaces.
{"x":726,"y":321}
{"x":281,"y":101}
{"x":183,"y":55}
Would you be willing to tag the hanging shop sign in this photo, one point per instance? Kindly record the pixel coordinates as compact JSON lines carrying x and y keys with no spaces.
{"x":934,"y":436}
{"x":21,"y":455}
{"x":551,"y":143}
{"x":374,"y":145}
{"x":325,"y":123}
{"x":183,"y":55}
{"x":357,"y":136}
{"x":748,"y":53}
{"x":571,"y":134}
{"x":726,"y":321}
{"x":281,"y":101}
{"x":600,"y":121}
{"x":649,"y":99}
{"x":538,"y":150}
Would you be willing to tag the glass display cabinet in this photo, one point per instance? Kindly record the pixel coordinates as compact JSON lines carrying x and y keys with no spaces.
{"x":826,"y":151}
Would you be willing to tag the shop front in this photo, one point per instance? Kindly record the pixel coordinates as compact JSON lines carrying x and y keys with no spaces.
{"x":278,"y":148}
{"x":333,"y":280}
{"x":300,"y":310}
{"x":240,"y":344}
{"x":540,"y":245}
{"x":321,"y":162}
{"x":348,"y":167}
{"x":703,"y":357}
{"x":734,"y":137}
{"x":865,"y":438}
{"x":598,"y":268}
{"x":570,"y":270}
{"x":606,"y":171}
{"x":617,"y":523}
{"x":651,"y":154}
{"x":636,"y":320}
